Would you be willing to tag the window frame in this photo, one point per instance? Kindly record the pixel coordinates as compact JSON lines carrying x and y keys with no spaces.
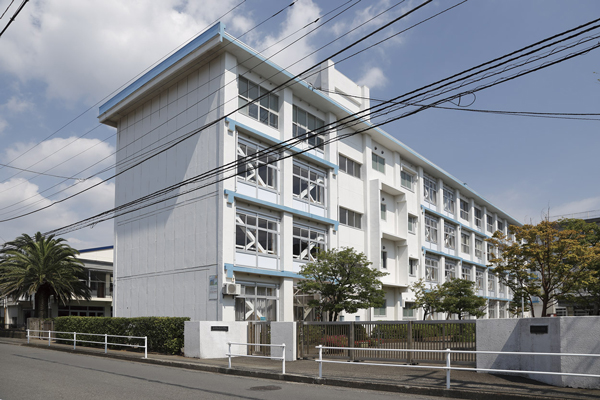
{"x":431,"y":229}
{"x":273,"y":233}
{"x":273,"y":299}
{"x":413,"y":266}
{"x":245,"y":101}
{"x":315,"y":137}
{"x":345,"y":213}
{"x":384,"y":258}
{"x":464,"y":211}
{"x":429,"y":190}
{"x":469,"y":273}
{"x":449,"y":200}
{"x":344,"y":166}
{"x":477,"y":213}
{"x":268,"y":161}
{"x":380,"y":311}
{"x":465,"y":247}
{"x":450,"y":236}
{"x":378,"y":162}
{"x":489,"y":219}
{"x":431,"y":269}
{"x":410,"y":186}
{"x":412,"y":224}
{"x":309,"y":239}
{"x":450,"y":268}
{"x":478,"y":249}
{"x":308,"y":178}
{"x":383,"y":211}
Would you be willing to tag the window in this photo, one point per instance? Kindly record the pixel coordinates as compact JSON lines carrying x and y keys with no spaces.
{"x":380,"y":311}
{"x":431,"y":225}
{"x":466,"y":273}
{"x":384,"y":259}
{"x":406,"y":180}
{"x":349,"y":166}
{"x":450,"y":269}
{"x":429,"y":190}
{"x":265,"y":110}
{"x":307,"y":242}
{"x":464,"y":242}
{"x":378,"y":163}
{"x":478,"y":248}
{"x":431,"y":269}
{"x":479,"y":278}
{"x":412,"y":224}
{"x":309,"y":184}
{"x":450,"y":236}
{"x":491,"y":283}
{"x":256,"y":303}
{"x":255,"y":233}
{"x":464,"y":210}
{"x":412,"y":266}
{"x":383,"y":211}
{"x":350,"y":218}
{"x":500,"y":226}
{"x":502,"y":313}
{"x":501,"y":287}
{"x":490,"y":252}
{"x":477,"y":212}
{"x":449,"y":202}
{"x":307,"y":126}
{"x":357,"y":318}
{"x":492,"y":309}
{"x":490,"y":223}
{"x":97,"y":284}
{"x":261,"y":171}
{"x":408,"y":311}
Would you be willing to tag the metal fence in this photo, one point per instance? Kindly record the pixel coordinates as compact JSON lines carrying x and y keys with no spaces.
{"x":259,"y":333}
{"x":370,"y":337}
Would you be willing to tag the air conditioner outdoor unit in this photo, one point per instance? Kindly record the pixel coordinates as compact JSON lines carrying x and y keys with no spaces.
{"x":232,"y":289}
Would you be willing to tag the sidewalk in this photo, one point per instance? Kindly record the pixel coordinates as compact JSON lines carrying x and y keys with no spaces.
{"x":465,"y":384}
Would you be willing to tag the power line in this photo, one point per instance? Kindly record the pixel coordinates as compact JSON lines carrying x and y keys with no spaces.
{"x":10,"y":21}
{"x":5,"y":11}
{"x":38,"y":173}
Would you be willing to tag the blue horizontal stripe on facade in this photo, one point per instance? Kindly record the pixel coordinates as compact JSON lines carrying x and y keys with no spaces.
{"x":439,"y":253}
{"x":231,"y":195}
{"x":230,"y":268}
{"x":475,"y":231}
{"x":233,"y":124}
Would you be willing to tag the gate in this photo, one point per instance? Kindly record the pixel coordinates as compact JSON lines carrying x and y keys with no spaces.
{"x":425,"y":335}
{"x":259,"y":332}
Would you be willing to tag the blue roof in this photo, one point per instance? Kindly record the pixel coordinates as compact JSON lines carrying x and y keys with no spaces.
{"x":96,"y":249}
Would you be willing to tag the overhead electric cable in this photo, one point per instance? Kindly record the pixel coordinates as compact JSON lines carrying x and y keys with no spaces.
{"x":5,"y":11}
{"x":10,"y":21}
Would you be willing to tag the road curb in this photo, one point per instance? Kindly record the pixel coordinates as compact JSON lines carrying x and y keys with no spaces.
{"x":382,"y":387}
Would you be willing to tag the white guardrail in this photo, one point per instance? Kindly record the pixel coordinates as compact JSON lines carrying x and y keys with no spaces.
{"x":282,"y":358}
{"x":75,"y":340}
{"x":448,"y":367}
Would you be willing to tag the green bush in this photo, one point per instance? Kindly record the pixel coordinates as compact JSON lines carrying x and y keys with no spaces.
{"x":165,"y":334}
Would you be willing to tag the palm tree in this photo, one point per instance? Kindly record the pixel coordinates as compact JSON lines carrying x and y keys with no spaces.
{"x":44,"y":266}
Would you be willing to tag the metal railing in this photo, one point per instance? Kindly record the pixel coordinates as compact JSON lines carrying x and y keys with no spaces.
{"x":448,"y":352}
{"x":229,"y":354}
{"x":106,"y":343}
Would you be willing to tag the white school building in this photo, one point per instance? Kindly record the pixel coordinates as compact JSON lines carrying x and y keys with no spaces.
{"x":368,"y":191}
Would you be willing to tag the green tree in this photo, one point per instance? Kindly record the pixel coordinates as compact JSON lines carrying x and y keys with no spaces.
{"x":458,"y":297}
{"x":44,"y":266}
{"x":543,"y":261}
{"x":344,"y":281}
{"x":586,"y":295}
{"x":429,"y":299}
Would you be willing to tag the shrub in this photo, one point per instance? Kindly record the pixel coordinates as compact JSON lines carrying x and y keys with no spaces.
{"x":335,"y":341}
{"x":165,"y":334}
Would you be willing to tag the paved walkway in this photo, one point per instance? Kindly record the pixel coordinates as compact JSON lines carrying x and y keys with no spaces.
{"x":465,"y":384}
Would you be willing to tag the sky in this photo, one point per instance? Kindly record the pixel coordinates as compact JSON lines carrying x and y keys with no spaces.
{"x":61,"y":59}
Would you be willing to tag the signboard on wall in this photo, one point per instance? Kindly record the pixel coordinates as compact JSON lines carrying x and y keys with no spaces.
{"x":213,"y":286}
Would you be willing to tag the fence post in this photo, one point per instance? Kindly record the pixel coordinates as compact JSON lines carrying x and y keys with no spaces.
{"x":49,"y":337}
{"x":320,"y":347}
{"x":27,"y":336}
{"x":74,"y":340}
{"x":145,"y":346}
{"x":447,"y":368}
{"x":229,"y":354}
{"x":283,"y":358}
{"x":105,"y":343}
{"x":351,"y":341}
{"x":409,"y":337}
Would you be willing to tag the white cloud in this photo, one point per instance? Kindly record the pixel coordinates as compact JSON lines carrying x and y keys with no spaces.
{"x":16,"y":105}
{"x":3,"y":125}
{"x":578,"y":208}
{"x":373,"y":78}
{"x":81,"y":49}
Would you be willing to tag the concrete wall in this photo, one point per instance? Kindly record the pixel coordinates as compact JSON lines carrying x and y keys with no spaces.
{"x":284,"y":332}
{"x":200,"y":341}
{"x":578,"y":335}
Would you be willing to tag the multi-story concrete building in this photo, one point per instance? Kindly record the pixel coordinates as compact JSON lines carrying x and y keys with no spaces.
{"x":367,"y":191}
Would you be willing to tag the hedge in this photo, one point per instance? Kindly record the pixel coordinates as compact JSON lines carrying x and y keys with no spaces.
{"x":165,"y":334}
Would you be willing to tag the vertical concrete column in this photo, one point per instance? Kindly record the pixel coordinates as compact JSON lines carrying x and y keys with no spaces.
{"x":286,"y":301}
{"x":442,"y":270}
{"x":440,"y":195}
{"x":484,"y":222}
{"x":331,"y":154}
{"x":366,"y":177}
{"x":472,"y":213}
{"x":440,"y":236}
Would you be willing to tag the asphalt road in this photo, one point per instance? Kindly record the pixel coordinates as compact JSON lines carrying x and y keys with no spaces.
{"x":31,"y":373}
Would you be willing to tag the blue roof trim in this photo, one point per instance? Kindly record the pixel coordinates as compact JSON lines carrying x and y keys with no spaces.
{"x":217,"y":29}
{"x":475,"y":231}
{"x":97,"y":249}
{"x":231,"y":195}
{"x":233,"y":125}
{"x":462,"y":260}
{"x":258,"y":271}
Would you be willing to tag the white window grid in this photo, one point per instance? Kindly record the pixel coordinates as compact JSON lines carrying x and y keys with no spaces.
{"x":265,"y":110}
{"x":449,"y":201}
{"x":490,"y":252}
{"x":465,"y":240}
{"x":501,"y":286}
{"x":261,"y":171}
{"x":478,"y":215}
{"x":478,"y":248}
{"x":309,"y":184}
{"x":449,"y":236}
{"x":479,"y":279}
{"x":378,"y":162}
{"x":431,"y":269}
{"x":349,"y":166}
{"x":412,"y":224}
{"x":429,"y":190}
{"x":492,"y":309}
{"x":257,"y":302}
{"x":408,"y":311}
{"x":383,"y":211}
{"x":502,"y":312}
{"x":500,"y":226}
{"x":449,"y":269}
{"x":350,"y":218}
{"x":490,"y":223}
{"x":466,"y":273}
{"x":380,"y":311}
{"x":407,"y":180}
{"x":306,"y":125}
{"x":464,"y":210}
{"x":431,"y":229}
{"x":491,"y":282}
{"x":307,"y":242}
{"x":413,"y":264}
{"x":256,"y":233}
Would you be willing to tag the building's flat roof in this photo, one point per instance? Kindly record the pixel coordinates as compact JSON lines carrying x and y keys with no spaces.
{"x":96,"y":249}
